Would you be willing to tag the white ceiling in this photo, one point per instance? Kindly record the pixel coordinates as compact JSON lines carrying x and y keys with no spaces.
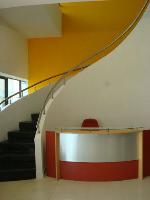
{"x":14,"y":3}
{"x":34,"y":21}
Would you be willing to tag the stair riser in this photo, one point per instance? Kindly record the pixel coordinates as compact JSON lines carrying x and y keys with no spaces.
{"x":34,"y":117}
{"x":21,"y":137}
{"x":13,"y":161}
{"x":4,"y":164}
{"x":23,"y":126}
{"x":20,"y":140}
{"x":18,"y":149}
{"x":17,"y":165}
{"x":12,"y":175}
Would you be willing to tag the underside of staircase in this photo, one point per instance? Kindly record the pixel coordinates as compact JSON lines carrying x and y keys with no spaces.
{"x":17,"y":154}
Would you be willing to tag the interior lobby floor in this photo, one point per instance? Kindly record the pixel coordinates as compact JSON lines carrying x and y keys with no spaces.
{"x":50,"y":189}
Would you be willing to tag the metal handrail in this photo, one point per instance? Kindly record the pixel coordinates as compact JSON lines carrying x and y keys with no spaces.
{"x":37,"y":83}
{"x":84,"y":62}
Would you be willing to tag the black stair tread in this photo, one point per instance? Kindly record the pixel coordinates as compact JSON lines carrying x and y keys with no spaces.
{"x":18,"y":170}
{"x":17,"y":174}
{"x":16,"y":145}
{"x":27,"y":126}
{"x":28,"y":122}
{"x":36,"y":113}
{"x":18,"y":157}
{"x":20,"y":148}
{"x":17,"y":162}
{"x":6,"y":142}
{"x":21,"y":136}
{"x":34,"y":116}
{"x":23,"y":140}
{"x":10,"y":165}
{"x":22,"y":132}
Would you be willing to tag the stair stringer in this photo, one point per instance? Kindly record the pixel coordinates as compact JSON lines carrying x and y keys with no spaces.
{"x":39,"y":139}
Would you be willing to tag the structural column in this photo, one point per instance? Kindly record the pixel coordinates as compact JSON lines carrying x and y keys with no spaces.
{"x":57,"y":154}
{"x":140,"y":154}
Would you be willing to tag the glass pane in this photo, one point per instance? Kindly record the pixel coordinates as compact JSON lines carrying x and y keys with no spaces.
{"x":2,"y":90}
{"x":23,"y":86}
{"x":13,"y":87}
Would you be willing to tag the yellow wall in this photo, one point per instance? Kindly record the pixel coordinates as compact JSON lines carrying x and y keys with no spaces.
{"x":87,"y":27}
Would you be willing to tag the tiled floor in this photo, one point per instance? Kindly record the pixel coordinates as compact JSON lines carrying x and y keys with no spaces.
{"x":50,"y":189}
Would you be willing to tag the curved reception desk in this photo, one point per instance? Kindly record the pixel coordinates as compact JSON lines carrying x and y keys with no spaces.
{"x":95,"y":154}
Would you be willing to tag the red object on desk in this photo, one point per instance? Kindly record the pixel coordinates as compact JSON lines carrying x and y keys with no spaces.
{"x":90,"y":123}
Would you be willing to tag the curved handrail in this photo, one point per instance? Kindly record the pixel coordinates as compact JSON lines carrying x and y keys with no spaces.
{"x":79,"y":66}
{"x":37,"y":83}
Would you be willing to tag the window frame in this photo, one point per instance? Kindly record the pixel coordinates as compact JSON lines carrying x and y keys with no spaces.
{"x":6,"y":88}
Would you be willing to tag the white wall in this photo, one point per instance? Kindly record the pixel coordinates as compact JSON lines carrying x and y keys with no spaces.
{"x":21,"y":111}
{"x":13,"y":52}
{"x":115,"y":90}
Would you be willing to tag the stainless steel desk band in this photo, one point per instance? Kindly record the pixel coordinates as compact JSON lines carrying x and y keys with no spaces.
{"x":98,"y":148}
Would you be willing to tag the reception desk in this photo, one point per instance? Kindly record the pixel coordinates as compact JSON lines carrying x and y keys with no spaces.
{"x":95,"y":154}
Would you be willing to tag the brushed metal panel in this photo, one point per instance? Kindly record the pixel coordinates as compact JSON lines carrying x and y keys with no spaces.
{"x":98,"y":148}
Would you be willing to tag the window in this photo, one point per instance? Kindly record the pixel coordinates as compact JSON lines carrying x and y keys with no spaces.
{"x":23,"y":86}
{"x":13,"y":87}
{"x":10,"y":86}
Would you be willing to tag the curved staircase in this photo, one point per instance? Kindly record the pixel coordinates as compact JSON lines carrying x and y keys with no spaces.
{"x":17,"y":154}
